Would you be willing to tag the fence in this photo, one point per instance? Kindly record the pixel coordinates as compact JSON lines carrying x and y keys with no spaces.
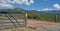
{"x":54,"y":18}
{"x":12,"y":20}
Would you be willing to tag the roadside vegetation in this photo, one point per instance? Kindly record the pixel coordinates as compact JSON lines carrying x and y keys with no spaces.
{"x":44,"y":17}
{"x":33,"y":14}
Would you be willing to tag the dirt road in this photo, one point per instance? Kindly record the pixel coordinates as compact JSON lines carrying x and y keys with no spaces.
{"x":51,"y":27}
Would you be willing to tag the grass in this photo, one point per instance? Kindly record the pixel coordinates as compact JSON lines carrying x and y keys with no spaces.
{"x":17,"y":29}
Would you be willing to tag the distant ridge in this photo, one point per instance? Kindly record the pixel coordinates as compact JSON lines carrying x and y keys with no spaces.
{"x":12,"y":10}
{"x":29,"y":11}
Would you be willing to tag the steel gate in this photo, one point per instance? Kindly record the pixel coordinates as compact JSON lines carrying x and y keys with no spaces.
{"x":12,"y":20}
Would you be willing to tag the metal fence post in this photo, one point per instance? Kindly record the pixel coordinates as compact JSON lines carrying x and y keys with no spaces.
{"x":2,"y":21}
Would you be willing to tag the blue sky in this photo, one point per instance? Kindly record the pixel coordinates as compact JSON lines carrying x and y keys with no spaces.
{"x":31,"y":4}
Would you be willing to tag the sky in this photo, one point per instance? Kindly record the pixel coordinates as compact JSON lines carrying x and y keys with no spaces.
{"x":39,"y":5}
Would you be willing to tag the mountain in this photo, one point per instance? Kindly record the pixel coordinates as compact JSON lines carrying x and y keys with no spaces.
{"x":29,"y":11}
{"x":51,"y":11}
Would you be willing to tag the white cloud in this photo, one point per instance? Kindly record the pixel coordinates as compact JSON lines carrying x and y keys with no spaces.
{"x":27,"y":2}
{"x":46,"y":9}
{"x":38,"y":10}
{"x":7,"y":3}
{"x":56,"y":6}
{"x":31,"y":1}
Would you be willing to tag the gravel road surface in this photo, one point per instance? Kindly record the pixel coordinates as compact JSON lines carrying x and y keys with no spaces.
{"x":53,"y":27}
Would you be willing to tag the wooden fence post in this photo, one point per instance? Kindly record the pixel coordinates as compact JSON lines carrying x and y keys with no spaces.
{"x":56,"y":18}
{"x":25,"y":19}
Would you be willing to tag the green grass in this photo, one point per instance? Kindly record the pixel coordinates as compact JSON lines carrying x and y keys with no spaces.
{"x":44,"y":17}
